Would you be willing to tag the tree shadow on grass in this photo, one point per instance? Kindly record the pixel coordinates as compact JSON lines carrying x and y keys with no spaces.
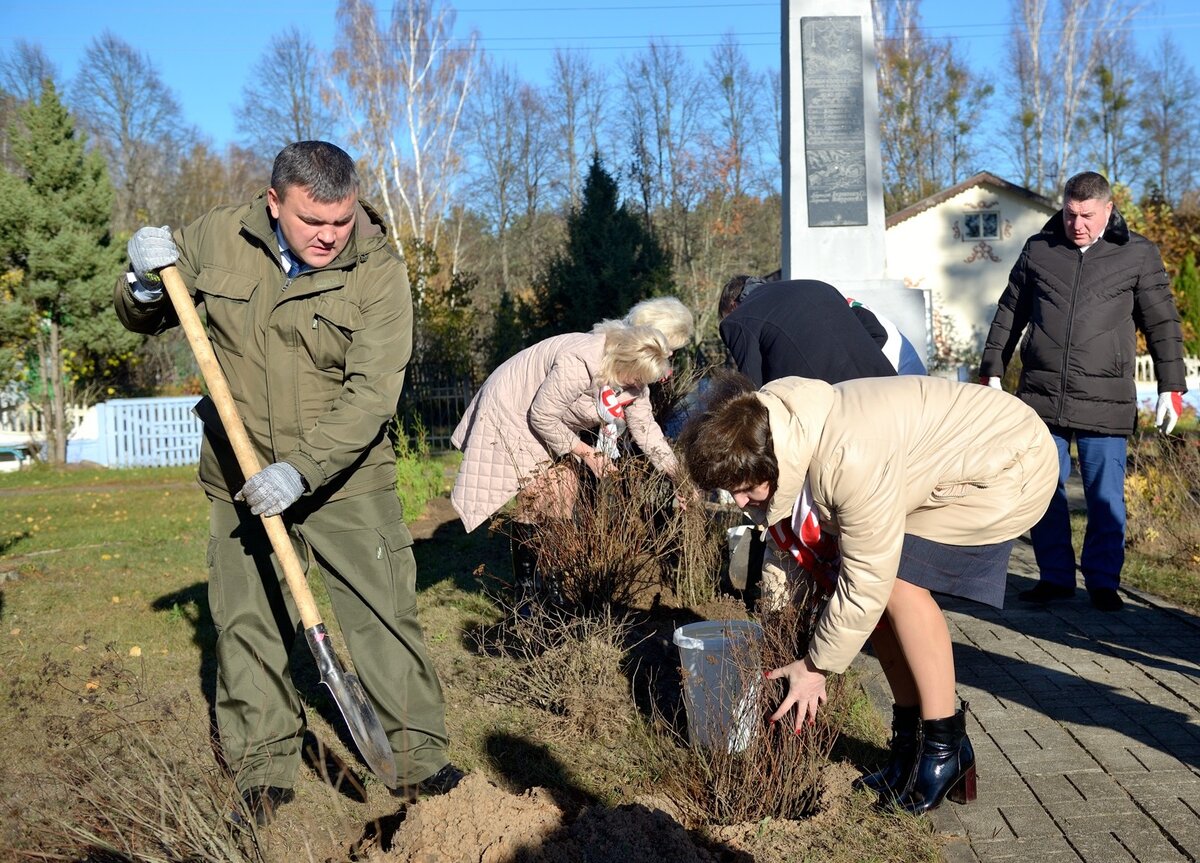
{"x":190,"y":604}
{"x":450,"y":553}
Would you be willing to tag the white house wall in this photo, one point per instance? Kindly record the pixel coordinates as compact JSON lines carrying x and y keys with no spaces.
{"x":964,"y":275}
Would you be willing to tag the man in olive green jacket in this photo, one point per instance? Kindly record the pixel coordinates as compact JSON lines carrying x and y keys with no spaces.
{"x":310,"y":317}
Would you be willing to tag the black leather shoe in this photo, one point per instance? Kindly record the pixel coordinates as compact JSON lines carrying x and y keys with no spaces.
{"x":261,"y":802}
{"x":946,"y":769}
{"x":1044,"y":592}
{"x":903,"y":752}
{"x":1105,"y":598}
{"x":439,"y":783}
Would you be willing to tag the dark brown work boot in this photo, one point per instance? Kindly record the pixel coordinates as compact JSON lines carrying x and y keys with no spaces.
{"x":261,"y":803}
{"x":431,"y":786}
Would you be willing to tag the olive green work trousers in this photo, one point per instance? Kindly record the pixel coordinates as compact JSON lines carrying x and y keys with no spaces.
{"x":363,"y":550}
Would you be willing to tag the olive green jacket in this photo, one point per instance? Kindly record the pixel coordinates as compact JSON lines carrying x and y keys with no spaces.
{"x":315,"y":364}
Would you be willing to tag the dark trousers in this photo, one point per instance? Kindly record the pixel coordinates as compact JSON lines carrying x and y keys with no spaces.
{"x":363,"y":549}
{"x":1102,"y":467}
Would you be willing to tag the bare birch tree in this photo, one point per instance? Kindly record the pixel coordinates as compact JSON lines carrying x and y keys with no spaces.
{"x":134,"y":120}
{"x":405,"y":84}
{"x":729,"y":168}
{"x":23,"y":71}
{"x":576,"y":98}
{"x":282,"y":102}
{"x":737,"y":112}
{"x":930,"y":106}
{"x":1170,"y":123}
{"x":905,"y":70}
{"x":493,"y":126}
{"x":960,"y":111}
{"x":24,"y":68}
{"x":540,"y":168}
{"x":1055,"y":64}
{"x":1107,"y":127}
{"x":663,"y":109}
{"x":775,"y":141}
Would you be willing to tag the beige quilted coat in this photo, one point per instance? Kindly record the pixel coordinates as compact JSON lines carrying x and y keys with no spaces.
{"x":530,"y":411}
{"x":957,"y":463}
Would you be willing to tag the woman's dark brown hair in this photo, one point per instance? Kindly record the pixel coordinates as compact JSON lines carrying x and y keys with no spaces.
{"x":728,"y":444}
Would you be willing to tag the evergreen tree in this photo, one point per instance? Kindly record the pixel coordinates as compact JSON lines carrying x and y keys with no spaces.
{"x":611,"y":261}
{"x":1187,"y":295}
{"x":507,"y":332}
{"x":60,"y":264}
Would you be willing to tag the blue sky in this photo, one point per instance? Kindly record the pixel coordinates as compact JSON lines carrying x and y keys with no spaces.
{"x":204,"y":51}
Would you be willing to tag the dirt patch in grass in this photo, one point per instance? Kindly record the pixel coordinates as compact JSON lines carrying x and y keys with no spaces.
{"x":479,"y":821}
{"x":107,"y":619}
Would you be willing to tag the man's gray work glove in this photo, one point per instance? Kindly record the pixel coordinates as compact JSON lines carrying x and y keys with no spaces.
{"x":150,"y":249}
{"x":272,"y":490}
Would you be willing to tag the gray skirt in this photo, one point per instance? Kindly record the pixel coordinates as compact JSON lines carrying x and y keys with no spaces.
{"x":976,"y":572}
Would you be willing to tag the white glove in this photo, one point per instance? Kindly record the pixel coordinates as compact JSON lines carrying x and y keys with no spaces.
{"x":151,"y":249}
{"x":1170,"y":406}
{"x":272,"y":490}
{"x":993,"y":382}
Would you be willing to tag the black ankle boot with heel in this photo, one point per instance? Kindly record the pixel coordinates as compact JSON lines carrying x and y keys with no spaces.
{"x":525,"y":569}
{"x":946,"y":767}
{"x":903,"y":751}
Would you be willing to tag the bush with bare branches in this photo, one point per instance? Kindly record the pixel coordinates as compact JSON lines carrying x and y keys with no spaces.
{"x":628,"y":536}
{"x":1161,"y":495}
{"x":568,"y":666}
{"x":778,"y":773}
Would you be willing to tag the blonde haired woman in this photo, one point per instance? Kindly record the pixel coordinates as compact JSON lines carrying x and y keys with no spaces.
{"x":668,"y":315}
{"x":527,"y":418}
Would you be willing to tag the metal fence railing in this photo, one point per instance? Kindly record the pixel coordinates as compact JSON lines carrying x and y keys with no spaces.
{"x":436,"y":397}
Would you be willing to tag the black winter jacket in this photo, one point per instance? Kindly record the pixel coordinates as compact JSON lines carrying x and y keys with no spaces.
{"x":802,"y":327}
{"x":1079,"y":312}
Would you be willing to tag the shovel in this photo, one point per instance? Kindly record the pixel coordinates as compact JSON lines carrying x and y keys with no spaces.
{"x":345,"y":687}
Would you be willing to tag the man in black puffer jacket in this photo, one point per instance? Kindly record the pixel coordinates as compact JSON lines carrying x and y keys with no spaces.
{"x":1079,"y":292}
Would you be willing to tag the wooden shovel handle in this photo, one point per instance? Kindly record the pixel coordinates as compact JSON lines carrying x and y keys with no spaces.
{"x":218,"y":390}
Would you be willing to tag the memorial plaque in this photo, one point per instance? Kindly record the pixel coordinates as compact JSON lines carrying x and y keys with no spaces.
{"x":835,"y":148}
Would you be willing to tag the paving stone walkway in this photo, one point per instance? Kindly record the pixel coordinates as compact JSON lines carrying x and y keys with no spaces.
{"x":1086,"y":727}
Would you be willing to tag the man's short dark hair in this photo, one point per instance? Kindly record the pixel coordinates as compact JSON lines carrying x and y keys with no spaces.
{"x":1087,"y":186}
{"x":736,"y":290}
{"x":326,"y":171}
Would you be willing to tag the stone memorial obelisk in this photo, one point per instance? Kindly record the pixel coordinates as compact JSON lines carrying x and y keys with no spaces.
{"x":833,"y":220}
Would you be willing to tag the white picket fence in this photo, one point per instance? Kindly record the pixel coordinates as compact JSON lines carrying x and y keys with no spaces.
{"x":155,"y":432}
{"x":151,"y":432}
{"x":26,"y":419}
{"x":1143,"y":371}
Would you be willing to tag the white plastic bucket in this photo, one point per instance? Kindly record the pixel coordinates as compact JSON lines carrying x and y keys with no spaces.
{"x":721,"y":674}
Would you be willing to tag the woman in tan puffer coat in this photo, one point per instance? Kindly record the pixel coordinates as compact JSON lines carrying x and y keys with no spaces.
{"x":923,"y":484}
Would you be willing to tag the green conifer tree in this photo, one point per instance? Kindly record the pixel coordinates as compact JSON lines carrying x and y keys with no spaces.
{"x":611,"y":261}
{"x":507,"y":332}
{"x":60,"y":263}
{"x":1187,"y":294}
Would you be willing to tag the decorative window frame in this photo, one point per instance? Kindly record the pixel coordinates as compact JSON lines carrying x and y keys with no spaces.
{"x":980,"y":224}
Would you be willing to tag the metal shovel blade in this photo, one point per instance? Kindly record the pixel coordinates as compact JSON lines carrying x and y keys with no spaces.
{"x":351,"y":699}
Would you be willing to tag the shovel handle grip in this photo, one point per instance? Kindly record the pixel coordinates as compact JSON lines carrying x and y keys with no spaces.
{"x":218,"y":390}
